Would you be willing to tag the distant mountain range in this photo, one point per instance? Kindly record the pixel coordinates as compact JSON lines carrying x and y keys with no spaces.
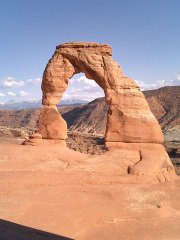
{"x":33,"y":104}
{"x":91,"y":117}
{"x":12,"y":104}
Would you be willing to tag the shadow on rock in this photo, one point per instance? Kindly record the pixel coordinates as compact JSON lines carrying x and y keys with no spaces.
{"x":10,"y":230}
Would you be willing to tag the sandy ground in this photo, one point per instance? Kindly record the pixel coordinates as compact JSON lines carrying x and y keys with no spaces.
{"x":52,"y":192}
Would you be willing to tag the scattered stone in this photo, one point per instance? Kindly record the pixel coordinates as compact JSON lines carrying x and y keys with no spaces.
{"x":35,"y":136}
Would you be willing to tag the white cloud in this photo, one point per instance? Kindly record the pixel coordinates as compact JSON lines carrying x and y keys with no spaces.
{"x":2,"y":95}
{"x":86,"y":81}
{"x":34,"y":81}
{"x":83,"y":88}
{"x":79,"y":87}
{"x":158,"y":84}
{"x":86,"y":89}
{"x":11,"y":94}
{"x":10,"y":82}
{"x":23,"y":94}
{"x":178,"y":77}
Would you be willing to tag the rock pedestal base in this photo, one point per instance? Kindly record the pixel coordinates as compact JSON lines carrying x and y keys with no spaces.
{"x":153,"y":160}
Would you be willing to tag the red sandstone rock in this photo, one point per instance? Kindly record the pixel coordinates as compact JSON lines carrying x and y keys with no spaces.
{"x":153,"y":161}
{"x":129,"y":117}
{"x":52,"y":125}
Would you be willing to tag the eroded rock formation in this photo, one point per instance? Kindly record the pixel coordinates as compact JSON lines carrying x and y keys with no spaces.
{"x":129,"y":116}
{"x":130,"y":123}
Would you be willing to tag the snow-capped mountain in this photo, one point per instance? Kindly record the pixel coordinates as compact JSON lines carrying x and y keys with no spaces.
{"x":12,"y":104}
{"x":73,"y":102}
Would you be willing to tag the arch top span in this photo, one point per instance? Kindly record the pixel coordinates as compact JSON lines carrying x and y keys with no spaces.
{"x":103,"y":48}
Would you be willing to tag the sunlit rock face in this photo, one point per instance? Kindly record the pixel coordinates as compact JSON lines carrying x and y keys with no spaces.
{"x":129,"y":117}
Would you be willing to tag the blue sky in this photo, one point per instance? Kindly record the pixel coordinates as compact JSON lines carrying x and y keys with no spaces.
{"x":144,"y":35}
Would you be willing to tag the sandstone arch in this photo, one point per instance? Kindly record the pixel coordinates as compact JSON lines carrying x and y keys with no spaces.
{"x":130,"y":123}
{"x":129,"y":116}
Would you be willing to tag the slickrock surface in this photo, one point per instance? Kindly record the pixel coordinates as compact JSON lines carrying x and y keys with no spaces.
{"x":65,"y":193}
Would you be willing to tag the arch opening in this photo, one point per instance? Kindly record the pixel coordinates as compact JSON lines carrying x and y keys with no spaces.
{"x":80,"y":89}
{"x":87,"y":115}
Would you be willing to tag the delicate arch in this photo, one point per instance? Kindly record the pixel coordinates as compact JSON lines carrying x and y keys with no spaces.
{"x":129,"y":117}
